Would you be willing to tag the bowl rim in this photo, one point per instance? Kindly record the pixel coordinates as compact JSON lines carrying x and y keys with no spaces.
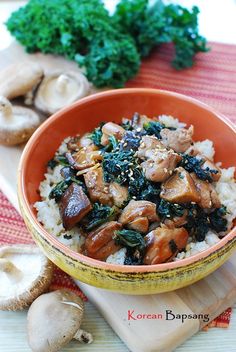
{"x":83,"y":258}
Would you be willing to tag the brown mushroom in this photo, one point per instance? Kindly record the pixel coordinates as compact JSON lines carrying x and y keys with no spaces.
{"x":25,"y":273}
{"x":100,"y":244}
{"x":54,"y":319}
{"x":74,"y":206}
{"x":180,"y":188}
{"x":18,"y":79}
{"x":17,"y":123}
{"x":60,"y":89}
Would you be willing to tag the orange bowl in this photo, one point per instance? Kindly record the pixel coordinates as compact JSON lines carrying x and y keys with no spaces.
{"x":82,"y":117}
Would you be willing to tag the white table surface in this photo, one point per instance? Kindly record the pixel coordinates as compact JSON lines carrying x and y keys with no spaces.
{"x":217,"y":23}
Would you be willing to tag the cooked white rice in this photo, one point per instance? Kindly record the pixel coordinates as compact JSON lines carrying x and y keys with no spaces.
{"x":49,"y":215}
{"x":170,"y":121}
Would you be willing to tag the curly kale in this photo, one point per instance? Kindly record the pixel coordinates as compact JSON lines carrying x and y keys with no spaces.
{"x":157,"y":23}
{"x":112,"y":59}
{"x":98,"y":216}
{"x":193,"y":164}
{"x":109,"y":47}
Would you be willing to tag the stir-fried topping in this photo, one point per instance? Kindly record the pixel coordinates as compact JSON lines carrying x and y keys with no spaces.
{"x":138,"y":185}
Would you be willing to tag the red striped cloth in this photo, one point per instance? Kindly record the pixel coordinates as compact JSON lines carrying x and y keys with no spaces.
{"x":212,"y":80}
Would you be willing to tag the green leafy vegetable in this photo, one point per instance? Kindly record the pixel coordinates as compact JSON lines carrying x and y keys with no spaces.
{"x":109,"y":47}
{"x":141,"y":188}
{"x":170,"y":210}
{"x":130,"y":239}
{"x":98,"y":216}
{"x":58,"y":190}
{"x":199,"y":222}
{"x":96,"y":135}
{"x":154,"y":128}
{"x":118,"y":165}
{"x":192,"y":164}
{"x":217,"y":221}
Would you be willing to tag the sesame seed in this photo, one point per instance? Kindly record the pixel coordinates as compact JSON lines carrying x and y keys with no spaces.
{"x":125,"y":144}
{"x":142,"y":145}
{"x":139,"y":129}
{"x":193,"y":202}
{"x":165,"y":170}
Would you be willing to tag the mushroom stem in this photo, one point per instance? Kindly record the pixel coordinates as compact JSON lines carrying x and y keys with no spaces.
{"x":61,"y":83}
{"x":5,"y":107}
{"x":13,"y":273}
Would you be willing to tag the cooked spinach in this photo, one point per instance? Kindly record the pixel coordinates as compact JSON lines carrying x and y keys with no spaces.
{"x":52,"y":163}
{"x":97,"y":216}
{"x":141,"y":188}
{"x":154,"y":128}
{"x":133,"y":257}
{"x":58,"y":190}
{"x":130,"y":239}
{"x":168,"y":210}
{"x":217,"y":221}
{"x":193,"y":164}
{"x":199,"y":222}
{"x":118,"y":165}
{"x":96,"y":135}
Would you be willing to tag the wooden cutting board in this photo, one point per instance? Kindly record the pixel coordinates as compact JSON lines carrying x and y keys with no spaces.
{"x":140,"y":321}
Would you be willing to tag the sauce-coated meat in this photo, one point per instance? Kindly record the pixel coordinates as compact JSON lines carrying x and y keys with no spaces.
{"x":163,"y":244}
{"x":180,"y":188}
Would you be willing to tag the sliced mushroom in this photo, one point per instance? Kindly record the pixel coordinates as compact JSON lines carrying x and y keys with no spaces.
{"x":53,"y":320}
{"x":18,"y":79}
{"x":25,"y":273}
{"x":74,"y":206}
{"x":100,"y":243}
{"x":17,"y":123}
{"x":60,"y":89}
{"x":163,"y":244}
{"x":180,"y":188}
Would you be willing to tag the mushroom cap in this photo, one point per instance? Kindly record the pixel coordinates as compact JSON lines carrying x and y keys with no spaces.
{"x":18,"y":79}
{"x":53,"y":320}
{"x":32,"y":276}
{"x":18,"y":126}
{"x":59,"y":89}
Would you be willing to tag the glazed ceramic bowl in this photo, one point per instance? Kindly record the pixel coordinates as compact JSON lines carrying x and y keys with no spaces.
{"x":82,"y":117}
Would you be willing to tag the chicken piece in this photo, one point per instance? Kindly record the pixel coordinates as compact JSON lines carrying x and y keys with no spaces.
{"x":163,"y":244}
{"x":177,"y":221}
{"x":74,"y":206}
{"x":160,"y":162}
{"x":162,"y":167}
{"x":148,"y":148}
{"x":208,"y":196}
{"x":100,"y":244}
{"x":119,"y":193}
{"x":85,"y":158}
{"x":180,"y":188}
{"x":137,"y":215}
{"x":179,"y":140}
{"x":111,"y":129}
{"x":98,"y":189}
